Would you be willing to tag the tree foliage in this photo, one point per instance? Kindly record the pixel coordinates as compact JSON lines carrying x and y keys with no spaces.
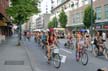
{"x":87,"y":16}
{"x":22,"y":9}
{"x":53,"y":23}
{"x":63,"y":19}
{"x":50,"y":25}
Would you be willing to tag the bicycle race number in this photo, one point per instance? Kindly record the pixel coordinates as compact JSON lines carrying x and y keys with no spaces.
{"x":63,"y":58}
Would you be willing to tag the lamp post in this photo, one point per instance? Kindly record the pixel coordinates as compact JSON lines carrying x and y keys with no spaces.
{"x":91,"y":17}
{"x":56,"y":23}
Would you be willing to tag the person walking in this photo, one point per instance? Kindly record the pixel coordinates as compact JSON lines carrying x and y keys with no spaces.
{"x":28,"y":36}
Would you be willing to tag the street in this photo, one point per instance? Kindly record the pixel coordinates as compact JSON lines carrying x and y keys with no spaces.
{"x":24,"y":24}
{"x":30,"y":57}
{"x":39,"y":60}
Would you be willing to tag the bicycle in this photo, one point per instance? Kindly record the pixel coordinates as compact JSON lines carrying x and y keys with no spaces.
{"x":69,"y":45}
{"x":82,"y":55}
{"x":104,"y":51}
{"x":55,"y":57}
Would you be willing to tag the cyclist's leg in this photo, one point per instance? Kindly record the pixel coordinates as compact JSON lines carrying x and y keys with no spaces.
{"x":43,"y":44}
{"x":48,"y":54}
{"x":78,"y":50}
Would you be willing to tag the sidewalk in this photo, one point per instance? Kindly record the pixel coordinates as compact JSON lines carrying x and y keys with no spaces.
{"x":13,"y":58}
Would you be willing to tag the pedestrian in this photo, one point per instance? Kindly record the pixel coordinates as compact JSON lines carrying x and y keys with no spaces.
{"x":25,"y":34}
{"x":28,"y":36}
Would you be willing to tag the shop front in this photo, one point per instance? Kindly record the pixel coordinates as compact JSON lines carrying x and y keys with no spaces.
{"x":103,"y":27}
{"x":75,"y":27}
{"x":5,"y":26}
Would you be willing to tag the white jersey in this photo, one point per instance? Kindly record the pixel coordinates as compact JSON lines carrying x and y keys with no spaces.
{"x":104,"y":36}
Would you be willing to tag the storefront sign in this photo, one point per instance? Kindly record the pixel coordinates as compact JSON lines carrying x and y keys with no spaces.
{"x":98,"y":27}
{"x":105,"y":26}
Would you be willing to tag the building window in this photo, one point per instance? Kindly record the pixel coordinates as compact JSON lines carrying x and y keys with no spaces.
{"x":77,"y":3}
{"x":106,"y":11}
{"x":77,"y":17}
{"x":98,"y":13}
{"x":81,"y":16}
{"x":83,"y":1}
{"x":73,"y":19}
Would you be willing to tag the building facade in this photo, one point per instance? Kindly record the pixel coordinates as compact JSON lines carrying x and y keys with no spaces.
{"x":5,"y":25}
{"x":75,"y":11}
{"x":42,"y":21}
{"x":3,"y":16}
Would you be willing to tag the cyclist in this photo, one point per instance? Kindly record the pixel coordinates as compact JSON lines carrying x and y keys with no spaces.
{"x":99,"y":40}
{"x":51,"y":38}
{"x":87,"y":39}
{"x":43,"y":38}
{"x":80,"y":43}
{"x":70,"y":38}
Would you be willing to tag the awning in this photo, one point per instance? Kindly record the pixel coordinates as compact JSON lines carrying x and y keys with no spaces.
{"x":3,"y":20}
{"x":74,"y":25}
{"x":101,"y":21}
{"x":2,"y":23}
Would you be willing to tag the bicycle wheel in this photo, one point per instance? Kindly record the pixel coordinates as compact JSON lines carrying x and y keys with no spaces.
{"x":57,"y":60}
{"x":77,"y":55}
{"x":95,"y":51}
{"x":84,"y":58}
{"x":105,"y":52}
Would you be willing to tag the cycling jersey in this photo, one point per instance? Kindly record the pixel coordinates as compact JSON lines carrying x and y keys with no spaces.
{"x":43,"y":37}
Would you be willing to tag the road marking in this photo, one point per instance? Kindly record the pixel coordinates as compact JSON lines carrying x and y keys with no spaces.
{"x":45,"y":57}
{"x":66,"y":51}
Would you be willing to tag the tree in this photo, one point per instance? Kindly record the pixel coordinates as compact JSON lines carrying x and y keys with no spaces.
{"x":21,"y":10}
{"x":53,"y":23}
{"x":50,"y":25}
{"x":63,"y":19}
{"x":87,"y":16}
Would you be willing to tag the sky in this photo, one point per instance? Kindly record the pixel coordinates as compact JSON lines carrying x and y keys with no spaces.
{"x":43,"y":6}
{"x":43,"y":9}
